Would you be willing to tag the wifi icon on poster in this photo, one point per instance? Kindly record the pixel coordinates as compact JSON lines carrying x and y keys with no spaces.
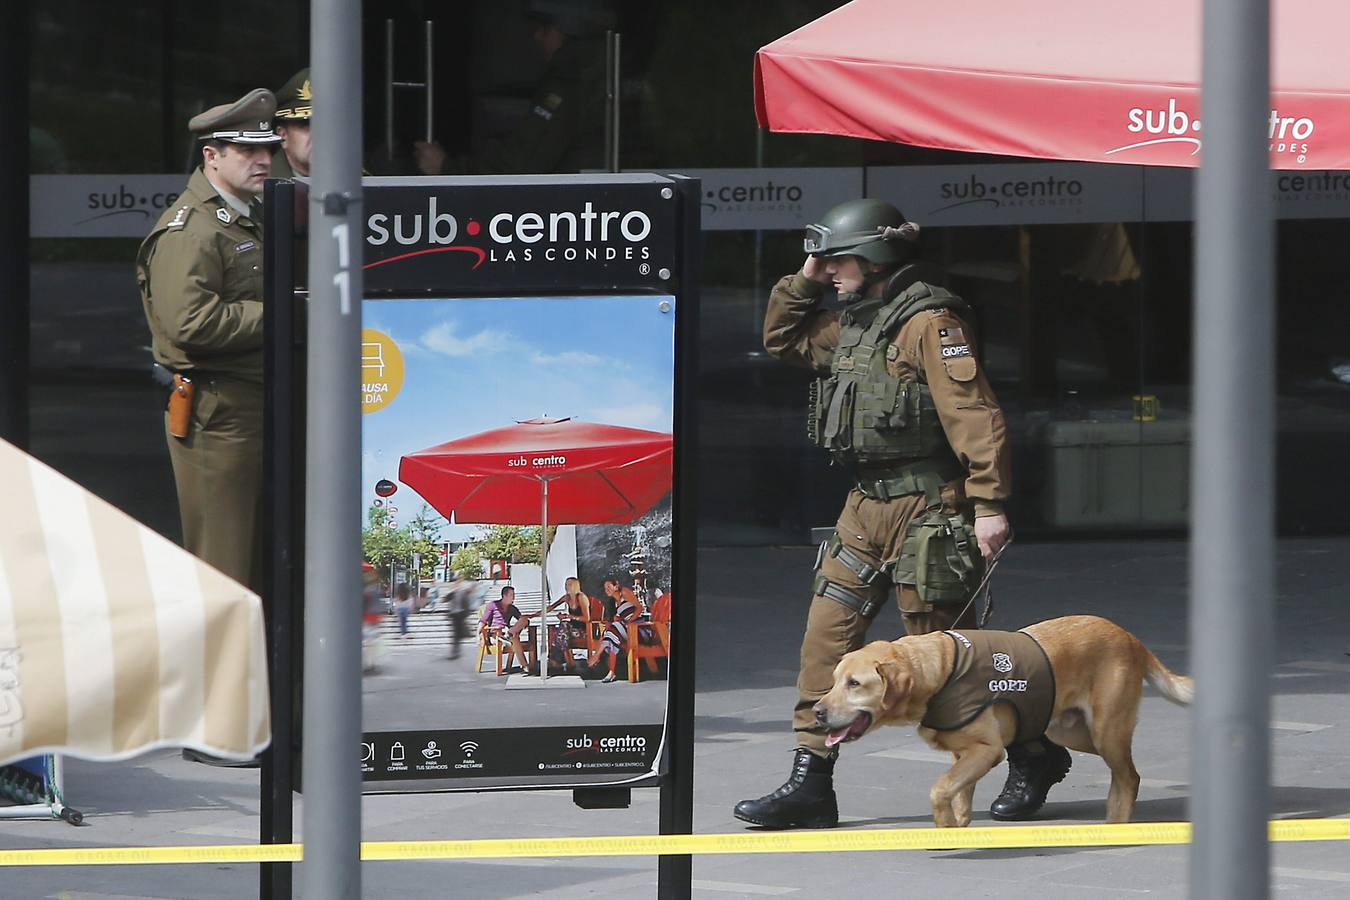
{"x":468,"y":748}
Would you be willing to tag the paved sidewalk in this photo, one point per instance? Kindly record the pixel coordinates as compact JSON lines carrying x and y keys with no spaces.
{"x":751,"y":607}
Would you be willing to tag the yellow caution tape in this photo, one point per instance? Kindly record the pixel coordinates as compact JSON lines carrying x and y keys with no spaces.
{"x":834,"y":841}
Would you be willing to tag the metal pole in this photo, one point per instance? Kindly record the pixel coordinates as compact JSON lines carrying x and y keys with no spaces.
{"x":541,"y":636}
{"x":615,"y":134}
{"x":426,"y":78}
{"x":389,"y":88}
{"x":14,"y":164}
{"x":332,"y":686}
{"x":757,"y":298}
{"x":1232,"y":530}
{"x":676,"y":814}
{"x":612,"y":111}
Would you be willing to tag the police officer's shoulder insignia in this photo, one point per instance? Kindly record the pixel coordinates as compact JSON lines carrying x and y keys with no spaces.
{"x":954,"y":351}
{"x":223,"y":215}
{"x":892,"y":352}
{"x":179,"y":218}
{"x":953,"y":341}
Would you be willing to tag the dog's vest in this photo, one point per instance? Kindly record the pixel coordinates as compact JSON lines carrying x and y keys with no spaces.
{"x":995,"y":667}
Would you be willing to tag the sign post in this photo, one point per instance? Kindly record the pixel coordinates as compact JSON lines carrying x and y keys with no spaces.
{"x":544,"y":329}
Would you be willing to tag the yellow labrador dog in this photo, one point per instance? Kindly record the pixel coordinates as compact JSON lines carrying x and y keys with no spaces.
{"x":1098,"y":672}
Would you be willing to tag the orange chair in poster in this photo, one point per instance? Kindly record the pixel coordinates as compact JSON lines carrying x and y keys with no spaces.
{"x":491,"y":643}
{"x":596,"y":633}
{"x":649,"y":653}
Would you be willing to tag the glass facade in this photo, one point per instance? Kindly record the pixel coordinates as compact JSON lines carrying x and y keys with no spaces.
{"x":1083,"y":302}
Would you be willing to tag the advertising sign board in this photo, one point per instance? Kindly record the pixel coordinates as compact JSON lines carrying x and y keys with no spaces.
{"x":492,"y":415}
{"x":525,"y":346}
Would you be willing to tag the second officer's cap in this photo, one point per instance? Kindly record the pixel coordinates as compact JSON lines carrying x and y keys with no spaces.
{"x":295,"y":100}
{"x":247,"y":120}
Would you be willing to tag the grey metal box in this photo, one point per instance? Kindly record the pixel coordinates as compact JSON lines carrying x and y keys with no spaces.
{"x":1117,"y":474}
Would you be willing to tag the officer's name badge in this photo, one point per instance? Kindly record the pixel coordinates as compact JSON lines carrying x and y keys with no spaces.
{"x":223,"y":215}
{"x":246,"y":245}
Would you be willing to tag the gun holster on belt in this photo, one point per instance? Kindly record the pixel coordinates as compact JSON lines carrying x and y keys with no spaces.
{"x":180,"y":405}
{"x":866,"y":605}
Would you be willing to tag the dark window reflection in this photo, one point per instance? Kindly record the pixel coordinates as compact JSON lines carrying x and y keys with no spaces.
{"x":1085,"y":328}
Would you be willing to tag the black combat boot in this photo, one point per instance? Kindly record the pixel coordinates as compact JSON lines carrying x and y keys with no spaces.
{"x":806,"y":799}
{"x":1032,"y":770}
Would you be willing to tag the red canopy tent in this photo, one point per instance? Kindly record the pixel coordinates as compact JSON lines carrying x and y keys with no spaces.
{"x":1060,"y":79}
{"x":544,"y":470}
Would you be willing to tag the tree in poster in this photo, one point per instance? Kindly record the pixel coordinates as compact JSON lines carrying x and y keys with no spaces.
{"x":467,"y":562}
{"x":513,"y":543}
{"x":425,"y":537}
{"x":383,"y":544}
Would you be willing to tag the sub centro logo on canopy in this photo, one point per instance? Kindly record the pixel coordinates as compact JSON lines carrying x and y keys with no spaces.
{"x":548,"y":461}
{"x":585,"y":234}
{"x":1287,"y":134}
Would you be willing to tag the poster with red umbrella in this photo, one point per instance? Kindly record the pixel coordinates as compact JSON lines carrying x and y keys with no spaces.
{"x":490,"y":423}
{"x":550,"y":471}
{"x":559,"y":471}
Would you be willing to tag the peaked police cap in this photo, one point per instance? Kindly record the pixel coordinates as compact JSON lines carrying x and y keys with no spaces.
{"x":295,"y":100}
{"x":247,"y":120}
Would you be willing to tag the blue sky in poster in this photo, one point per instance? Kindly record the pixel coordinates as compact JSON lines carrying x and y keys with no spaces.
{"x":476,"y":364}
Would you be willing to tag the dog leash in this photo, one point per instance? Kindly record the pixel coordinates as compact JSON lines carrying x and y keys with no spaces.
{"x":984,"y":587}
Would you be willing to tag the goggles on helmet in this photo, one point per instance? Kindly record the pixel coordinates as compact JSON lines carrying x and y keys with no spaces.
{"x":817,"y":238}
{"x":821,"y":239}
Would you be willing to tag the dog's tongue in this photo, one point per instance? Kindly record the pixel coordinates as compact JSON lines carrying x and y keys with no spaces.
{"x":852,"y":731}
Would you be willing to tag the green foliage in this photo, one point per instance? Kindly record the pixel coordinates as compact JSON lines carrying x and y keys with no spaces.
{"x":514,"y":543}
{"x":383,"y":544}
{"x":467,"y":562}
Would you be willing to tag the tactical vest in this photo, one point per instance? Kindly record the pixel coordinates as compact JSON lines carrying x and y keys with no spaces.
{"x":861,"y":413}
{"x":995,"y":667}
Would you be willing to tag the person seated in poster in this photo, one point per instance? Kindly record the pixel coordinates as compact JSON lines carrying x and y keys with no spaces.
{"x":574,"y":625}
{"x":502,"y":618}
{"x":627,"y":608}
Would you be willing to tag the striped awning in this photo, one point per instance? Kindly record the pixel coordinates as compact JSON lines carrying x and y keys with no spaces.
{"x":114,"y":640}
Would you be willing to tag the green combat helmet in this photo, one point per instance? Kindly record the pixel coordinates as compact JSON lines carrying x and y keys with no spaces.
{"x":872,"y":229}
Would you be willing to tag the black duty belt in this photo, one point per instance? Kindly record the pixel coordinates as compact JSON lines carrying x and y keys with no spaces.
{"x":924,"y":476}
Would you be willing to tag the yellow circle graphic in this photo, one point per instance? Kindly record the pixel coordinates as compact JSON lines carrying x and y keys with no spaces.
{"x":381,"y":370}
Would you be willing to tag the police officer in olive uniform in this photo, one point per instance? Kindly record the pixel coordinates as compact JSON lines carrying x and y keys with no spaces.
{"x":902,"y":402}
{"x":295,"y":106}
{"x":201,"y":282}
